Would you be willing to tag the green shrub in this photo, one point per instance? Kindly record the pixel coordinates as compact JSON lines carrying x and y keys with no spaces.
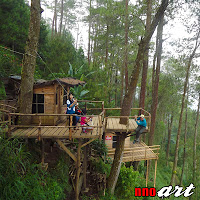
{"x":21,"y":179}
{"x":127,"y":181}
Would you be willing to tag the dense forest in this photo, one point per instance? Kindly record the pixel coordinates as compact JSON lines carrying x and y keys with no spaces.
{"x":140,"y":54}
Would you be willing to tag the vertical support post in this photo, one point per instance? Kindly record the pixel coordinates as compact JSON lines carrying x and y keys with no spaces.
{"x":78,"y":170}
{"x":55,"y":106}
{"x":85,"y":168}
{"x":39,"y":129}
{"x":145,"y":153}
{"x":99,"y":128}
{"x":42,"y":150}
{"x":102,"y":106}
{"x":70,"y":129}
{"x":155,"y":173}
{"x":147,"y":173}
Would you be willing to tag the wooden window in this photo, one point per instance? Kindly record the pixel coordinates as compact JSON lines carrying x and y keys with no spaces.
{"x":38,"y":103}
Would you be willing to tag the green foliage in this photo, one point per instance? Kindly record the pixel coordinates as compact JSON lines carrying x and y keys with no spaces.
{"x":2,"y":91}
{"x":21,"y":179}
{"x":98,"y":165}
{"x":14,"y":23}
{"x":127,"y":181}
{"x":9,"y":62}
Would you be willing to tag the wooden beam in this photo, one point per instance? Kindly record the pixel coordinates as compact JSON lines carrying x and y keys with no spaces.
{"x":66,"y":150}
{"x":88,"y":142}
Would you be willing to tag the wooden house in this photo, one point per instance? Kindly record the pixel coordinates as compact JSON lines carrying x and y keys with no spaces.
{"x":49,"y":96}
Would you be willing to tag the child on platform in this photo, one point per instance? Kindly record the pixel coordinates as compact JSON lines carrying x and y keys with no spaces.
{"x":84,"y":122}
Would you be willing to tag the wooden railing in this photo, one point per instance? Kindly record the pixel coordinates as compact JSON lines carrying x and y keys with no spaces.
{"x":12,"y":124}
{"x":86,"y":102}
{"x":147,"y":116}
{"x":139,"y":153}
{"x":4,"y":111}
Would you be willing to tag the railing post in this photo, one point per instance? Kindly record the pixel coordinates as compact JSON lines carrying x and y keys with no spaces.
{"x":102,"y":106}
{"x":127,"y":125}
{"x":145,"y":153}
{"x":70,"y":129}
{"x":106,"y":121}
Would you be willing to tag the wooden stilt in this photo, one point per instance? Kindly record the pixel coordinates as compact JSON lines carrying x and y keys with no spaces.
{"x":78,"y":170}
{"x":147,"y":173}
{"x":42,"y":150}
{"x":155,"y":173}
{"x":85,"y":168}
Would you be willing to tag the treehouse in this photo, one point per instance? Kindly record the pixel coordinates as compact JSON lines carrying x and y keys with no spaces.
{"x":49,"y":96}
{"x":49,"y":122}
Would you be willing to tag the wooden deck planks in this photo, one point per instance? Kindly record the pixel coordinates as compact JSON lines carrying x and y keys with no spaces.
{"x":136,"y":153}
{"x":113,"y":125}
{"x":56,"y":132}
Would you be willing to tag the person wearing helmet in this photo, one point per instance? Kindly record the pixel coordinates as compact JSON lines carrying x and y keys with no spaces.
{"x":141,"y":122}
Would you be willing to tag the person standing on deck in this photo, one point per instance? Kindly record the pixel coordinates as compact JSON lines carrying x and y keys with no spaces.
{"x":141,"y":122}
{"x":71,"y":102}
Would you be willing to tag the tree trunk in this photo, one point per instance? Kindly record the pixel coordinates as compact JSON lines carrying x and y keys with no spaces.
{"x":184,"y":148}
{"x":145,"y":61}
{"x":156,"y":84}
{"x":29,"y":61}
{"x":106,"y":56}
{"x":54,"y":23}
{"x":128,"y":99}
{"x":181,"y":114}
{"x":127,"y":102}
{"x":170,"y":123}
{"x":122,"y":85}
{"x":61,"y":17}
{"x":126,"y":48}
{"x":112,"y":179}
{"x":195,"y":146}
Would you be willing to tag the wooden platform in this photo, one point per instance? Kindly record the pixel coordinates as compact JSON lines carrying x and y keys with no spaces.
{"x":138,"y":152}
{"x":59,"y":131}
{"x":113,"y":125}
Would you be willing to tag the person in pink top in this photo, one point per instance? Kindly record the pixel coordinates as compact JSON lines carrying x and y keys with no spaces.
{"x":84,"y":122}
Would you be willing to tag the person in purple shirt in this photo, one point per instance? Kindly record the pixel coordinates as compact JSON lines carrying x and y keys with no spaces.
{"x":141,"y":122}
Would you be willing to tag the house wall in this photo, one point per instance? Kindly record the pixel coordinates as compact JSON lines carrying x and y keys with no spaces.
{"x":49,"y":104}
{"x":109,"y":141}
{"x":53,"y":104}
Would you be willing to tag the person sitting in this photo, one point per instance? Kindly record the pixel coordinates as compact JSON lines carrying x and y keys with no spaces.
{"x":71,"y":102}
{"x":141,"y":122}
{"x":84,"y":122}
{"x":78,"y":112}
